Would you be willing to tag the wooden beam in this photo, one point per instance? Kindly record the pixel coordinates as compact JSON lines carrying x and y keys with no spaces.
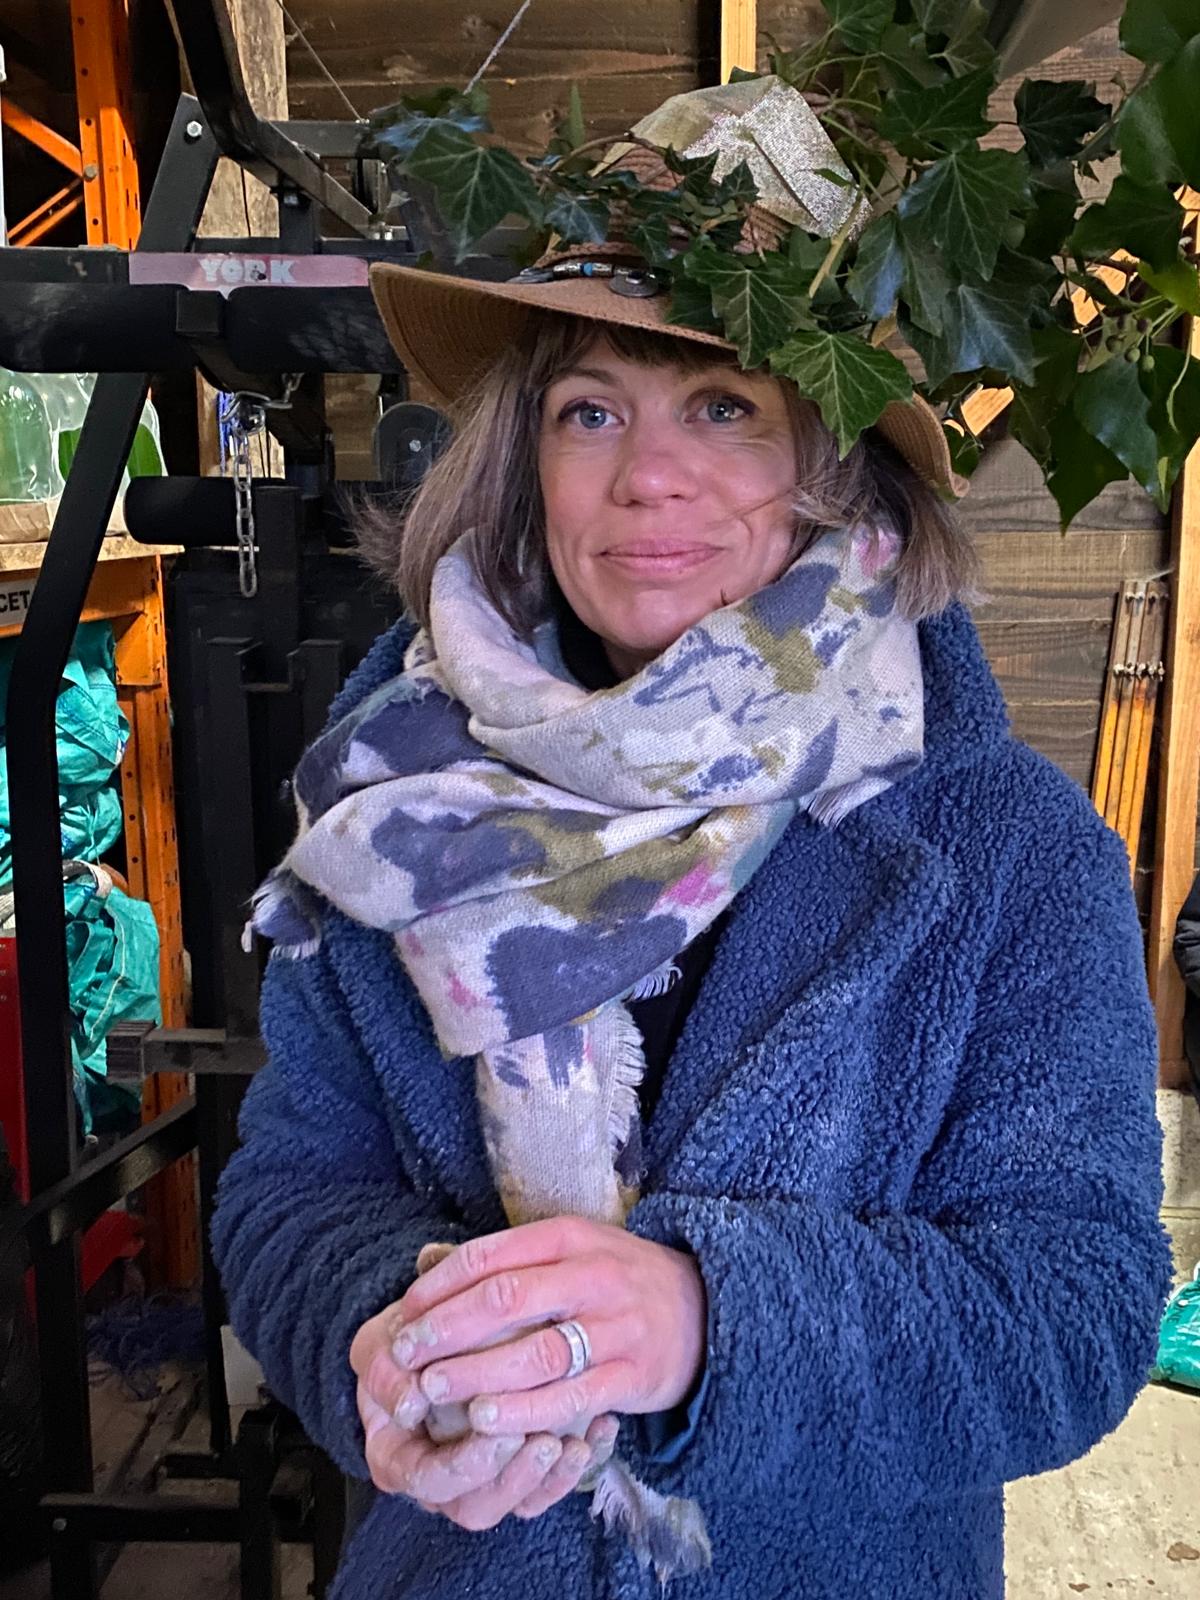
{"x":1179,"y":774}
{"x":739,"y":36}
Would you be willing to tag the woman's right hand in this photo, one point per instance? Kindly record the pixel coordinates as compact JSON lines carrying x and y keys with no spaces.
{"x":475,"y":1481}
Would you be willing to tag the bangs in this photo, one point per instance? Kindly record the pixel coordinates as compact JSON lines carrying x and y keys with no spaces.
{"x":550,"y":344}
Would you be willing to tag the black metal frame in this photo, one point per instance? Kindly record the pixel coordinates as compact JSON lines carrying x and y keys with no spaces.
{"x":248,"y":340}
{"x":171,"y":219}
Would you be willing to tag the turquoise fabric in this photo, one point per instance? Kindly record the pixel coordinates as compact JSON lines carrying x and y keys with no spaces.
{"x":1178,"y":1359}
{"x":112,"y":940}
{"x":112,"y":955}
{"x":91,"y":734}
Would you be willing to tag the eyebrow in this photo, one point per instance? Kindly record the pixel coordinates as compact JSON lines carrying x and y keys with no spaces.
{"x":595,"y":374}
{"x":605,"y":375}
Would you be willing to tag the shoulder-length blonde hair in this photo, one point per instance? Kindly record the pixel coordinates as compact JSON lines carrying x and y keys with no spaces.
{"x":487,"y":481}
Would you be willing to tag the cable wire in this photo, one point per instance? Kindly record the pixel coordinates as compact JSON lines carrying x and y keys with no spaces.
{"x":304,"y":40}
{"x":499,"y":44}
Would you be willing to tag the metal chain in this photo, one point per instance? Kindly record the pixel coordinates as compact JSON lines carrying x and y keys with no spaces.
{"x":248,"y":419}
{"x":243,"y":416}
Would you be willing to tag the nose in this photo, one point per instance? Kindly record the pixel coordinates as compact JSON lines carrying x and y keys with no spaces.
{"x":653,"y":465}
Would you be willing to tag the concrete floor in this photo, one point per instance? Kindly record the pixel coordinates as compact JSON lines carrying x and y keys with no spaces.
{"x":1126,"y":1518}
{"x":1123,"y":1520}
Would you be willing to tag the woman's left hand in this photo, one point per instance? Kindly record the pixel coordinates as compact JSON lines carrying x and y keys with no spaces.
{"x":642,"y":1306}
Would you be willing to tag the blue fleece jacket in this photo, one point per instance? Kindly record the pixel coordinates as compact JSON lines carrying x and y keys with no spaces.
{"x":908,"y":1133}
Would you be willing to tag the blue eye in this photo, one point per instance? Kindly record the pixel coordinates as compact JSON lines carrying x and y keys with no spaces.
{"x":592,"y":417}
{"x":721,"y":408}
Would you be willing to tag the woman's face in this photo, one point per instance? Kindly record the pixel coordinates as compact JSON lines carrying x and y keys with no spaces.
{"x":667,"y":494}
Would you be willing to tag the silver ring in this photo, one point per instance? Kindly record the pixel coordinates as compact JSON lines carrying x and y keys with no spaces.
{"x":579,"y":1345}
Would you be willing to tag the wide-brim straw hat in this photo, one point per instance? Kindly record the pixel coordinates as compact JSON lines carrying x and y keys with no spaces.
{"x":449,"y":330}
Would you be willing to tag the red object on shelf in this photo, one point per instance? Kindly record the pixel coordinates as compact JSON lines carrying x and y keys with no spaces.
{"x":113,"y":1235}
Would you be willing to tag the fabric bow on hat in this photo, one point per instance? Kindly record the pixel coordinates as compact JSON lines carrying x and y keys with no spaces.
{"x":770,"y":126}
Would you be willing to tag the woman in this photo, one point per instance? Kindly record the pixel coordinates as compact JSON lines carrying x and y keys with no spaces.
{"x":859,"y":1218}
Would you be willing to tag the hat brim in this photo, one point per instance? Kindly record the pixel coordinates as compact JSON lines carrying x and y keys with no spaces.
{"x":449,"y":331}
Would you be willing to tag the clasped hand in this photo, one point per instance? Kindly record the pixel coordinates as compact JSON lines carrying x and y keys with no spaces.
{"x":478,"y":1329}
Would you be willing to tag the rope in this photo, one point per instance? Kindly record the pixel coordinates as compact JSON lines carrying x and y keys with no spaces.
{"x":304,"y":40}
{"x":499,"y":44}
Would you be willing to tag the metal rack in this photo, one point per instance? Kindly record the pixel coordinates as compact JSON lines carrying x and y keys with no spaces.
{"x":123,"y":314}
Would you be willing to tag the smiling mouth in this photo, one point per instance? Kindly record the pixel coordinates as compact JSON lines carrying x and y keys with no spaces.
{"x":659,"y":557}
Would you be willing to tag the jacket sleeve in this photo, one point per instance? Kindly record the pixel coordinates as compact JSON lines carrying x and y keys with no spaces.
{"x":1004,"y":1321}
{"x":317,"y":1226}
{"x":1187,"y":939}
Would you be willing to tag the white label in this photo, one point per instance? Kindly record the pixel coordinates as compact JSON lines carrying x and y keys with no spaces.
{"x":225,"y":271}
{"x":15,"y":595}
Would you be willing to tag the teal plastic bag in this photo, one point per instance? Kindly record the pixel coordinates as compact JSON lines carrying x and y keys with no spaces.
{"x":90,"y":737}
{"x":1178,"y":1359}
{"x":112,"y":955}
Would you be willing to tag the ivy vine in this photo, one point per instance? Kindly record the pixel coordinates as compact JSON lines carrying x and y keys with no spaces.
{"x":972,"y":254}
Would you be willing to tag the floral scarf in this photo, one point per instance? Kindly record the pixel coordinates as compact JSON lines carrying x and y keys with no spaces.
{"x":541,"y":852}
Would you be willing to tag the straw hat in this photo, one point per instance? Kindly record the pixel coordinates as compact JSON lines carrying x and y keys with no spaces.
{"x":450,"y":330}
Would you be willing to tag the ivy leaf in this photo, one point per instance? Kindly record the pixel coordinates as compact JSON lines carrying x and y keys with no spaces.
{"x":1172,"y":386}
{"x":985,"y":328}
{"x":924,"y":122}
{"x":874,"y":280}
{"x":941,"y":18}
{"x":1109,"y":403}
{"x":887,"y":267}
{"x":965,"y":450}
{"x":1080,"y":466}
{"x":737,"y":185}
{"x":860,"y":22}
{"x":1056,"y":118}
{"x":963,"y":203}
{"x":696,"y":171}
{"x":692,"y":306}
{"x":806,"y":252}
{"x":1145,"y":219}
{"x":1055,"y":202}
{"x":1159,"y":131}
{"x":760,"y":300}
{"x":1179,"y":282}
{"x":395,"y":130}
{"x":654,"y":237}
{"x":925,"y":287}
{"x":1056,"y":356}
{"x":1156,"y":30}
{"x":904,"y":61}
{"x":574,"y":130}
{"x":968,"y":47}
{"x":475,"y":186}
{"x":850,"y":381}
{"x":578,"y":218}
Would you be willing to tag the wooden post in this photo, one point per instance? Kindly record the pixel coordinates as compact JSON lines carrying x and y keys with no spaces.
{"x":739,"y":35}
{"x":1179,"y":774}
{"x":152,"y":857}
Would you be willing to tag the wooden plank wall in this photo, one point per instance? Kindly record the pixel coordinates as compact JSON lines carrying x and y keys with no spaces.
{"x":626,"y":56}
{"x":1048,"y":617}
